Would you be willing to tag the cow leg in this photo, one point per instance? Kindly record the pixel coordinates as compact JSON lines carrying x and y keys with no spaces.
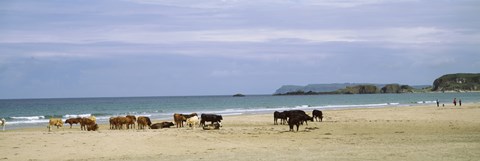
{"x":297,"y":126}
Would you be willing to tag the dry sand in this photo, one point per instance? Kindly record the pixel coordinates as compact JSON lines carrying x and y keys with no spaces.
{"x":398,"y":133}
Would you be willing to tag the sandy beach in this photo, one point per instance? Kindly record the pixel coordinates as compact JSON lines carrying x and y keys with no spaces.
{"x":396,"y":133}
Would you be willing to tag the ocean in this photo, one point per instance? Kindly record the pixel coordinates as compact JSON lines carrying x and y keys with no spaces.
{"x":21,"y":113}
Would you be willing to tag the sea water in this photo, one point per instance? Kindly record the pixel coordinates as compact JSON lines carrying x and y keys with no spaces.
{"x":36,"y":112}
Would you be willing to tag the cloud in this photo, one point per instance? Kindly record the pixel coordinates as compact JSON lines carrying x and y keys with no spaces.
{"x":231,"y":3}
{"x":140,"y":35}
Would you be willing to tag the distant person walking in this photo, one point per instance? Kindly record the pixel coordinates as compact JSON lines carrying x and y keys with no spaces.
{"x":460,"y":102}
{"x":455,"y":102}
{"x":438,"y":103}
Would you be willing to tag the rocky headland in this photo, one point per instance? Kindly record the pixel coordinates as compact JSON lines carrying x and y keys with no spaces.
{"x":459,"y":82}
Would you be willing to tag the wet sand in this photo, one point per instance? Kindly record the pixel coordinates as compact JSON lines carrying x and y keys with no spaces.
{"x":396,"y":133}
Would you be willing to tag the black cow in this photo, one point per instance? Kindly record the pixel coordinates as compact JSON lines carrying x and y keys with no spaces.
{"x":291,"y":112}
{"x":210,"y":117}
{"x":295,"y":119}
{"x":304,"y":116}
{"x":279,"y":115}
{"x":317,"y":114}
{"x":161,"y":125}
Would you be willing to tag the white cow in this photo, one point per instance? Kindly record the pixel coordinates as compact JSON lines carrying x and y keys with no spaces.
{"x":193,"y":121}
{"x":3,"y":122}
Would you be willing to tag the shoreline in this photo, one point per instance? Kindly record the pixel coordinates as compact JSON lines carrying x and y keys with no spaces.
{"x":405,"y":133}
{"x":265,"y":111}
{"x":248,"y":112}
{"x":19,"y":115}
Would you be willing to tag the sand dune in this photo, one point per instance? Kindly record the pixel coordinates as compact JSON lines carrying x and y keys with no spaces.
{"x":399,"y":133}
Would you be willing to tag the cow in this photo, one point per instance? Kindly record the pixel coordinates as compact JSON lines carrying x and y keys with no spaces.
{"x":279,"y":115}
{"x":55,"y":122}
{"x":301,"y":113}
{"x":120,"y":121}
{"x":210,"y":117}
{"x":161,"y":125}
{"x":306,"y":118}
{"x":113,"y":122}
{"x":85,"y":122}
{"x":213,"y":126}
{"x":190,"y":115}
{"x":180,"y":118}
{"x":143,"y":121}
{"x":317,"y":114}
{"x":130,"y":120}
{"x":295,"y":119}
{"x":73,"y":121}
{"x":93,"y":127}
{"x":291,"y":112}
{"x":3,"y":122}
{"x":117,"y":122}
{"x":193,"y":121}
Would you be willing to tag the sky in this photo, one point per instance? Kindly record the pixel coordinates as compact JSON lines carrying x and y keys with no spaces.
{"x":117,"y":48}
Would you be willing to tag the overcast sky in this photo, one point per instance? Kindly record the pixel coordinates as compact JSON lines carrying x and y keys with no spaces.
{"x":93,"y":48}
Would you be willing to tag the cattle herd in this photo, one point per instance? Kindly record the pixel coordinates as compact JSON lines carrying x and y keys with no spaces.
{"x":290,"y":117}
{"x":142,"y":122}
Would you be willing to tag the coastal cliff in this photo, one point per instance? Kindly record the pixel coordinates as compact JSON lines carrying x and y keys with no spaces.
{"x":449,"y":82}
{"x":347,"y":88}
{"x":457,"y":82}
{"x":396,"y":88}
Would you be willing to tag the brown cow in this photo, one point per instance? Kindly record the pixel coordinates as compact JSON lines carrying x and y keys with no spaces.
{"x":112,"y":121}
{"x":180,"y":118}
{"x":73,"y":121}
{"x":130,"y":120}
{"x":85,"y":122}
{"x":161,"y":125}
{"x":93,"y":127}
{"x":120,"y":121}
{"x":143,"y":121}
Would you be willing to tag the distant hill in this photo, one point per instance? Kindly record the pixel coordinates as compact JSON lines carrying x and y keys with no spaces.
{"x":346,"y":88}
{"x":457,"y":82}
{"x":315,"y":87}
